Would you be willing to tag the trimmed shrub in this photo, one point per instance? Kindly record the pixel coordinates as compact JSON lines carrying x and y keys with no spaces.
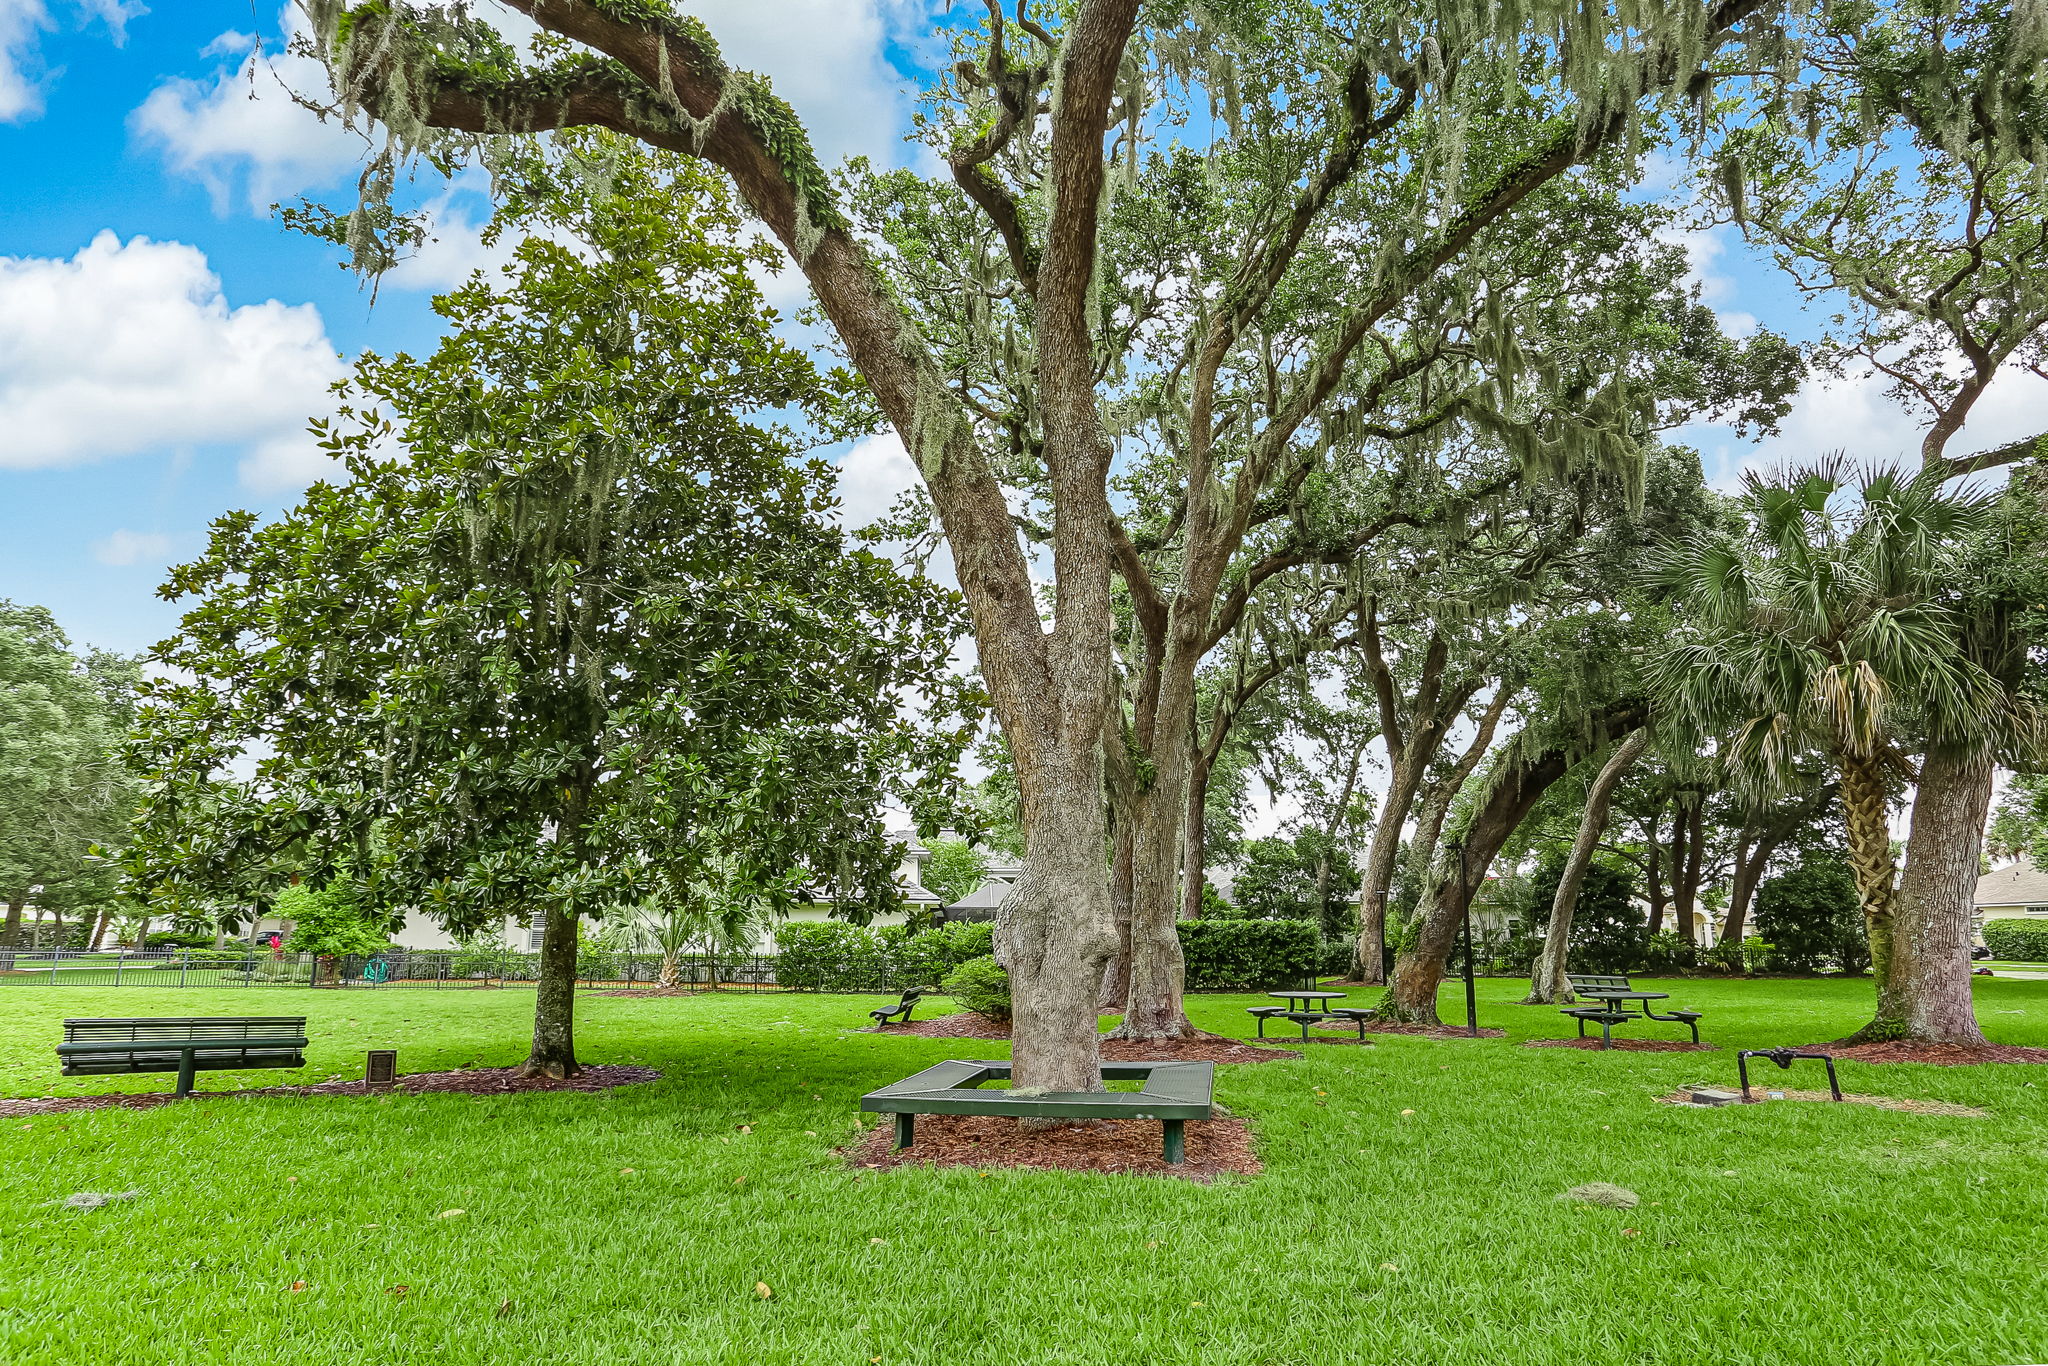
{"x":2017,"y":941}
{"x":328,"y":922}
{"x":833,"y":955}
{"x":1250,"y":954}
{"x":1813,"y":916}
{"x":980,"y":984}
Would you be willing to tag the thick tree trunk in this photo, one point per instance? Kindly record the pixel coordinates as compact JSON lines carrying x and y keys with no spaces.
{"x":1690,"y":835}
{"x":99,"y":927}
{"x":1547,"y":985}
{"x":1194,"y":871}
{"x":1752,"y":854}
{"x":10,"y":932}
{"x":1380,"y":857}
{"x":554,"y":1001}
{"x":1054,"y":935}
{"x":1121,"y":780}
{"x":1154,"y":1005}
{"x":1653,"y":877}
{"x":1924,"y":994}
{"x":1454,"y":880}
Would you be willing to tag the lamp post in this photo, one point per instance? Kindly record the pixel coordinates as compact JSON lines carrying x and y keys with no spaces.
{"x":1464,"y":889}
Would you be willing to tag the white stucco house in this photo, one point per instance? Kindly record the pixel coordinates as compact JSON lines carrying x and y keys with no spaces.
{"x":2016,"y":892}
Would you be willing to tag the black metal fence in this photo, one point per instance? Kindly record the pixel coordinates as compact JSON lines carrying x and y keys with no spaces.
{"x":453,"y":968}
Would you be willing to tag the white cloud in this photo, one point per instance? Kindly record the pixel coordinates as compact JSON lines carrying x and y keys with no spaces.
{"x":22,"y":25}
{"x":131,"y":347}
{"x":872,"y":475}
{"x":242,"y":130}
{"x":126,"y":547}
{"x":827,"y":58}
{"x":1854,"y":414}
{"x":1704,"y":248}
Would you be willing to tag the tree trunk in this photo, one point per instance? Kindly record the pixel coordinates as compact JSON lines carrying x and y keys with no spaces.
{"x":1547,"y":985}
{"x":1654,"y":878}
{"x":1194,"y":872}
{"x":554,"y":1001}
{"x":10,"y":932}
{"x":1153,"y":1007}
{"x":1454,"y":880}
{"x":1116,"y":974}
{"x":1054,"y":934}
{"x":1864,"y":810}
{"x":99,"y":928}
{"x":1924,"y":992}
{"x":1690,"y":837}
{"x":1380,"y":858}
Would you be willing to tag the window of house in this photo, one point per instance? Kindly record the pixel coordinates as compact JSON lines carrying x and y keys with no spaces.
{"x":537,"y":928}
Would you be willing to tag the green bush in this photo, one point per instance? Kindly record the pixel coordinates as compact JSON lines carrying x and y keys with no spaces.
{"x":1814,"y":917}
{"x":328,"y":922}
{"x":2017,"y":941}
{"x":980,"y":984}
{"x":832,"y":955}
{"x":1609,"y":932}
{"x":1240,"y":954}
{"x":1758,"y":955}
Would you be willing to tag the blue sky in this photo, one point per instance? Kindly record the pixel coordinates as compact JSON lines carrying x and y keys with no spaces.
{"x":163,"y":340}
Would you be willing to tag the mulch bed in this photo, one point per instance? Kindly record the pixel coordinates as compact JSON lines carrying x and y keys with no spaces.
{"x":1126,"y":1146}
{"x":1904,"y":1104}
{"x":475,"y":1081}
{"x":1940,"y":1054}
{"x":1627,"y":1045}
{"x":1426,"y":1031}
{"x":969,"y":1024}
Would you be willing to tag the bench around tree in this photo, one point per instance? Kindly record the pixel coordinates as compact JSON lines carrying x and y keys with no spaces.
{"x":234,"y":1043}
{"x":1174,"y":1093}
{"x":901,"y":1010}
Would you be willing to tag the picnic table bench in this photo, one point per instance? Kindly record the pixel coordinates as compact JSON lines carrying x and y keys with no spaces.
{"x":1612,"y":993}
{"x":117,"y":1047}
{"x":1174,"y":1093}
{"x":903,"y":1007}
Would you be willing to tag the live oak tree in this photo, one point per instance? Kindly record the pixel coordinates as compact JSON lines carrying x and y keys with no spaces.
{"x":575,"y":630}
{"x":1331,"y":165}
{"x":63,"y":786}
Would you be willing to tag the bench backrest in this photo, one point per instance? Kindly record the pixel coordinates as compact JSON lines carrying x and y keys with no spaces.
{"x":1597,"y":981}
{"x":230,"y":1029}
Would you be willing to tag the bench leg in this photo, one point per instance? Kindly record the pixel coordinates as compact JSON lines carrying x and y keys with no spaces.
{"x":1694,"y":1025}
{"x":1582,"y":1025}
{"x":1262,"y":1026}
{"x":1174,"y":1145}
{"x":1606,"y":1035}
{"x":187,"y":1066}
{"x":906,"y":1129}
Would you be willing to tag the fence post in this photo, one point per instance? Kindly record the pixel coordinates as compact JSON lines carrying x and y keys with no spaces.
{"x":54,"y":955}
{"x":184,"y":966}
{"x":120,"y":961}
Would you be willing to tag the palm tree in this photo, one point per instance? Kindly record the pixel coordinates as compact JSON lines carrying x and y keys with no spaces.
{"x":715,"y":916}
{"x":1820,"y":626}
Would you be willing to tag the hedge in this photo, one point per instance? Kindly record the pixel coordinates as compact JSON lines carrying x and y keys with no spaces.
{"x":2017,"y":941}
{"x":1250,"y":954}
{"x":832,"y":955}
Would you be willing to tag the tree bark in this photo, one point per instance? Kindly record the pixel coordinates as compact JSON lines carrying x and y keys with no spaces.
{"x":554,"y":1001}
{"x":1865,"y":805}
{"x":1454,"y":880}
{"x":1924,"y":992}
{"x":1121,"y":779}
{"x":1547,"y":983}
{"x":1194,"y":873}
{"x":99,"y":928}
{"x":1690,"y":834}
{"x":1154,"y":1007}
{"x":10,"y":932}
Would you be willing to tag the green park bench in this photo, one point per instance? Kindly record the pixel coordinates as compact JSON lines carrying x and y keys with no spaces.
{"x":186,"y":1046}
{"x":1174,"y":1093}
{"x":901,"y":1010}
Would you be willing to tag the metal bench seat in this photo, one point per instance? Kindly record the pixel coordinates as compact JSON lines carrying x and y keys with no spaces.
{"x":186,"y":1046}
{"x":1174,"y":1093}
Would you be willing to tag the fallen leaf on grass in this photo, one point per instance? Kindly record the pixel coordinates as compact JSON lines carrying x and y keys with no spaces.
{"x":398,"y":1291}
{"x":761,"y":1291}
{"x":298,"y":1286}
{"x":504,"y":1309}
{"x":450,"y":1214}
{"x":878,"y":1242}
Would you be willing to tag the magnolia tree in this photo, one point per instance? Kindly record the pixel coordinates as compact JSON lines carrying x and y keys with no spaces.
{"x":1228,"y":236}
{"x":573,"y":632}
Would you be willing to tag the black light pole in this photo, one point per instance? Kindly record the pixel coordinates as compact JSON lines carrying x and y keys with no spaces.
{"x":1471,"y":998}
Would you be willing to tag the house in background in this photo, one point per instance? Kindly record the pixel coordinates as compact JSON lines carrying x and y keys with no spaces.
{"x":2018,"y":892}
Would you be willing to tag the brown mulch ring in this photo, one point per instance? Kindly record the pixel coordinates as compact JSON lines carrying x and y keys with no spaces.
{"x":968,"y":1024}
{"x":1199,"y":1048}
{"x":1757,"y":1096}
{"x":1128,"y":1146}
{"x":1939,"y":1054}
{"x":475,"y":1081}
{"x":1427,"y":1031}
{"x":1627,"y":1045}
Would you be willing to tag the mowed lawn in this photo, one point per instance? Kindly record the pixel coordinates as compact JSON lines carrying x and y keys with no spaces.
{"x":633,"y":1226}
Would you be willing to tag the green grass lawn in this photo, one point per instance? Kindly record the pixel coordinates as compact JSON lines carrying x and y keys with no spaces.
{"x":1780,"y":1233}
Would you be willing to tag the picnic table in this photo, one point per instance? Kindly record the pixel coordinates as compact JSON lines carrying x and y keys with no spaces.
{"x":1612,"y":996}
{"x":1305,"y":1008}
